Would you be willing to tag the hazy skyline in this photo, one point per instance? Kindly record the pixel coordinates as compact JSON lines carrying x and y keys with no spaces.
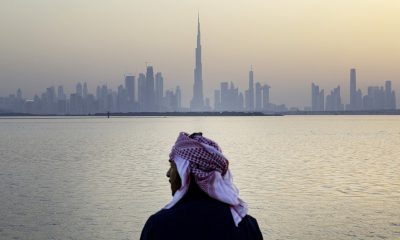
{"x":289,"y":43}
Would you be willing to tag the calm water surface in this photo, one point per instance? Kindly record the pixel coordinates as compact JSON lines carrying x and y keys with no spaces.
{"x":312,"y":177}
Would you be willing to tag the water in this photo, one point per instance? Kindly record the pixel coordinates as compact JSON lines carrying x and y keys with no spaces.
{"x":303,"y":177}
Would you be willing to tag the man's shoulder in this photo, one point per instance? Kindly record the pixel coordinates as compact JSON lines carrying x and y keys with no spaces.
{"x":177,"y":223}
{"x":190,"y":212}
{"x":161,"y":215}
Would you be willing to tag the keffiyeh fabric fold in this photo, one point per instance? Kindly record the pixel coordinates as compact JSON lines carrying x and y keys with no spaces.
{"x":203,"y":159}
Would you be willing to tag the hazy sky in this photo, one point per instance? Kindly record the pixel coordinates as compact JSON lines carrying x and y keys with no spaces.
{"x":290,"y":43}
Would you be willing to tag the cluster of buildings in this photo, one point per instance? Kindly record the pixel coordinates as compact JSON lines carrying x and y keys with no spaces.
{"x":377,"y":97}
{"x":228,"y":97}
{"x":255,"y":98}
{"x":151,"y":98}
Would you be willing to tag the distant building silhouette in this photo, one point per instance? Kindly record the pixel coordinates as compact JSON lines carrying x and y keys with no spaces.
{"x":379,"y":98}
{"x":178,"y":94}
{"x":173,"y":100}
{"x":266,"y":103}
{"x":249,"y":94}
{"x":142,"y":89}
{"x":317,"y":98}
{"x":334,"y":100}
{"x":217,"y":100}
{"x":79,"y":89}
{"x":130,"y":90}
{"x":159,"y":91}
{"x":85,"y":90}
{"x":353,"y":89}
{"x":150,"y":97}
{"x":390,"y":96}
{"x":228,"y":98}
{"x":258,"y":97}
{"x":355,"y":95}
{"x":197,"y":103}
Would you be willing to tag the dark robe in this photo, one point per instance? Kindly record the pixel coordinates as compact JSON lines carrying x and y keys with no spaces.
{"x":198,"y":216}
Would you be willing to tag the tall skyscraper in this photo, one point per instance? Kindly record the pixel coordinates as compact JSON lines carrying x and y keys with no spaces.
{"x":178,"y":97}
{"x":98,"y":93}
{"x":159,"y":90}
{"x":265,"y":97}
{"x":258,"y":96}
{"x":150,"y":100}
{"x":197,"y":103}
{"x":390,"y":96}
{"x":353,"y":89}
{"x":79,"y":90}
{"x":317,"y":98}
{"x":250,"y":92}
{"x":130,"y":88}
{"x":60,"y":93}
{"x":85,"y":90}
{"x":217,"y":100}
{"x":19,"y":94}
{"x":142,"y":92}
{"x":225,"y":96}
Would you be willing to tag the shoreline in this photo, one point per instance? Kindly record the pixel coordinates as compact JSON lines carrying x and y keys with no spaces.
{"x":205,"y":114}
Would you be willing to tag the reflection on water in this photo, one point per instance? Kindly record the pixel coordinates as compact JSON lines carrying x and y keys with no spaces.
{"x":313,"y":177}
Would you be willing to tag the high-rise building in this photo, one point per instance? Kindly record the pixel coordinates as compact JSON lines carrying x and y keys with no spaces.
{"x":142,"y":88}
{"x":60,"y":93}
{"x":130,"y":89}
{"x":317,"y":98}
{"x":122,"y":98}
{"x":85,"y":90}
{"x":250,"y":92}
{"x":217,"y":100}
{"x":178,"y":94}
{"x":390,"y":98}
{"x":353,"y":89}
{"x":173,"y":100}
{"x":334,"y":101}
{"x":228,"y":98}
{"x":224,"y":96}
{"x":240,"y":102}
{"x":79,"y":90}
{"x":159,"y":91}
{"x":150,"y":100}
{"x":355,"y":95}
{"x":197,"y":103}
{"x":258,"y":96}
{"x":19,"y":94}
{"x":265,"y":90}
{"x":98,"y":93}
{"x":61,"y":101}
{"x":372,"y":99}
{"x":104,"y":99}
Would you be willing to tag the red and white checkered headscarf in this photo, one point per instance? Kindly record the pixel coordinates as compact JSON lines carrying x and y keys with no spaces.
{"x":203,"y":158}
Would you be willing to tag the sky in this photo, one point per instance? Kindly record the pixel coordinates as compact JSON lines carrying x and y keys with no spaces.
{"x":289,"y":43}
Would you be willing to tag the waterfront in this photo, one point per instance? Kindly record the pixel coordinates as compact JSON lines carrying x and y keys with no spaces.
{"x":303,"y":177}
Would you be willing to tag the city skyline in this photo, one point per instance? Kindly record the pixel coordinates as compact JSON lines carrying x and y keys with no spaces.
{"x":289,"y":44}
{"x":151,"y":98}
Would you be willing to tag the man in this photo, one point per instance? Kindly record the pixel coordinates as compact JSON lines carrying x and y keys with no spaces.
{"x":205,"y":203}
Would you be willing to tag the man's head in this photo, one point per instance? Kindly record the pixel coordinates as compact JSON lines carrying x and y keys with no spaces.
{"x":173,"y":173}
{"x":199,"y":159}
